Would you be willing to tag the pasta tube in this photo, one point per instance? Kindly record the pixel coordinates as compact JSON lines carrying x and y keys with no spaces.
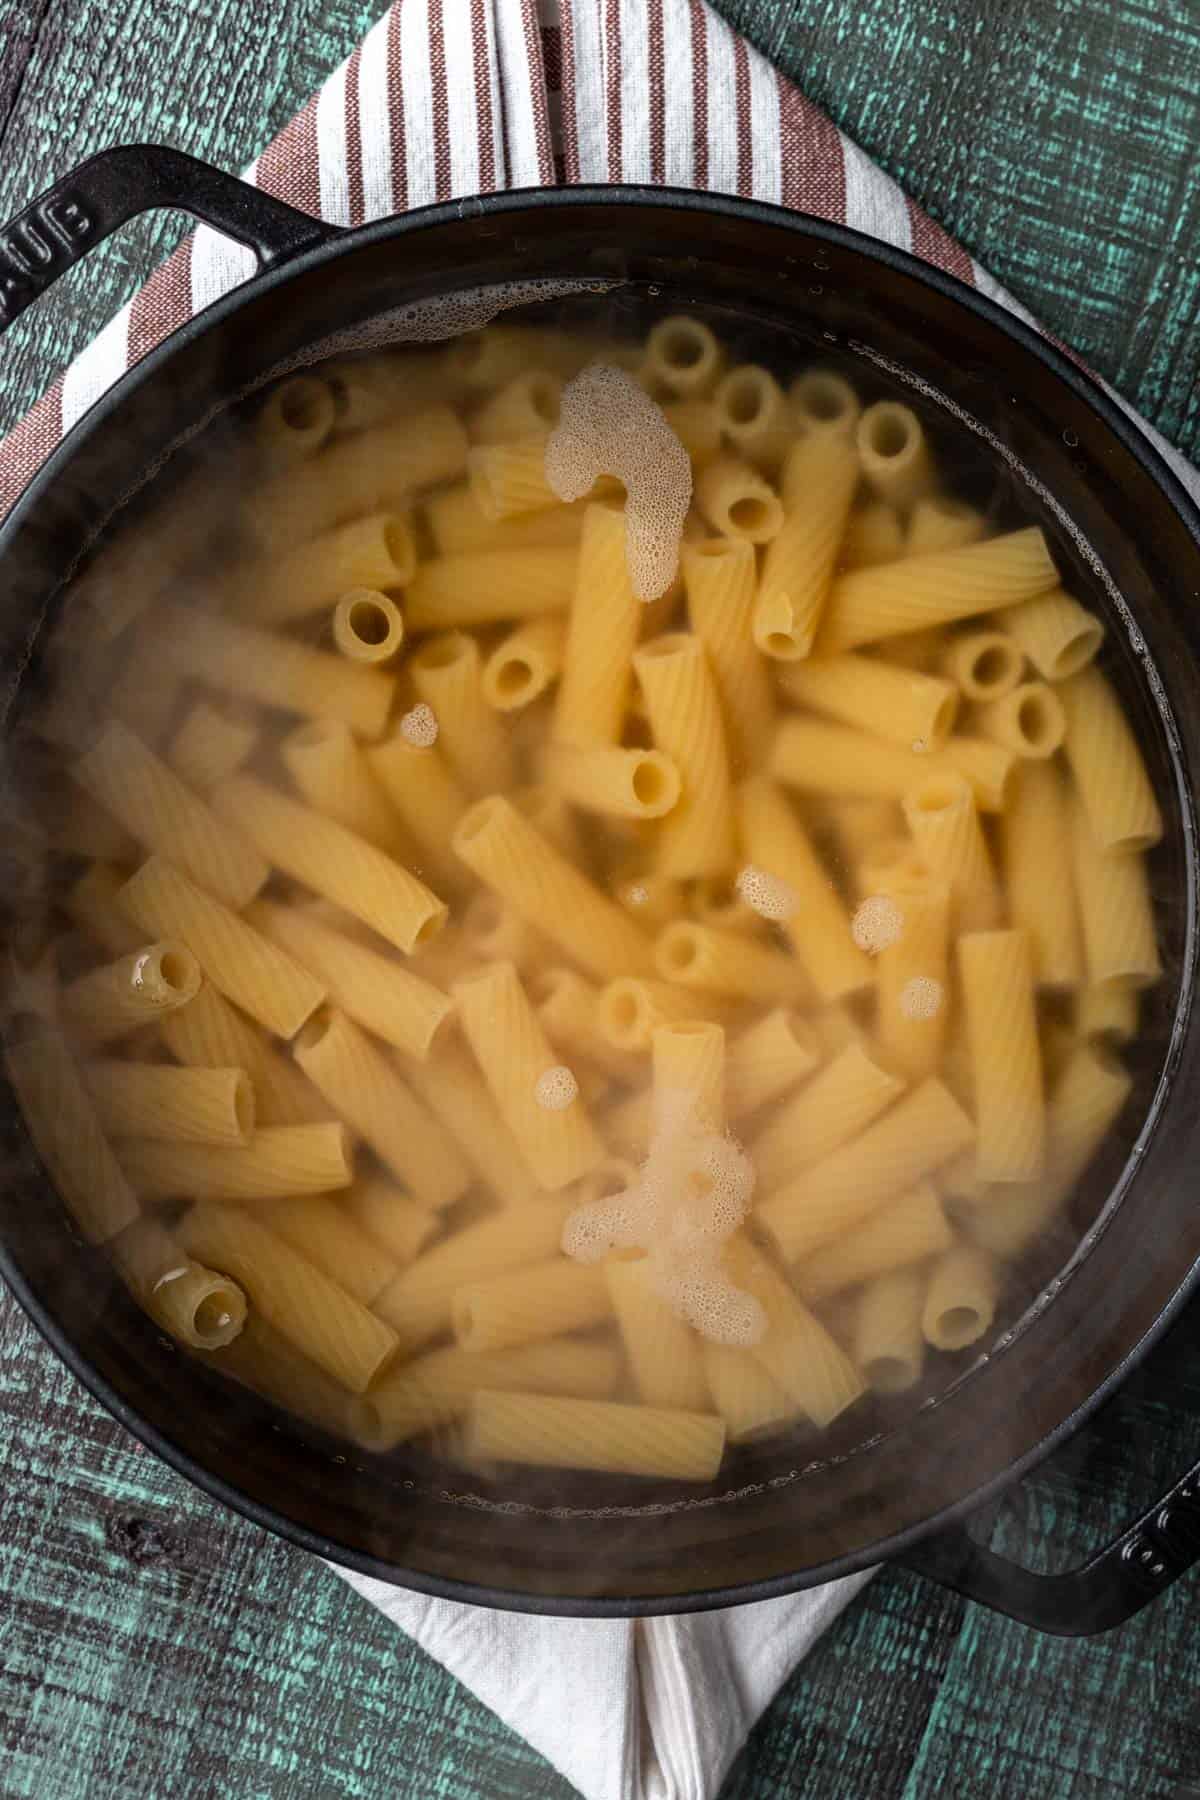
{"x":985,"y":664}
{"x":889,"y":1345}
{"x":399,"y":1225}
{"x":263,"y":980}
{"x":1107,"y":765}
{"x":115,"y":999}
{"x":197,"y":1306}
{"x":1029,"y":721}
{"x":834,"y":1107}
{"x":685,"y":719}
{"x":164,"y":815}
{"x":526,"y":1306}
{"x":631,"y":1010}
{"x":485,"y":587}
{"x":750,"y":1401}
{"x":368,"y":627}
{"x":334,"y":862}
{"x":438,"y":1388}
{"x":939,"y":522}
{"x":627,"y":784}
{"x":796,"y":1351}
{"x":371,"y":989}
{"x":727,"y":963}
{"x":154,"y":1100}
{"x":209,"y":1033}
{"x":568,"y":1007}
{"x":418,"y":1302}
{"x":823,"y":758}
{"x":426,"y":796}
{"x":924,"y":1130}
{"x":869,"y":605}
{"x":819,"y":479}
{"x":1087,"y":1100}
{"x":1119,"y":942}
{"x":768,"y":1060}
{"x":213,"y":742}
{"x":944,"y":823}
{"x":996,"y":971}
{"x":603,"y":626}
{"x":293,"y":1295}
{"x":273,"y":670}
{"x":819,"y":930}
{"x":527,"y":404}
{"x":873,"y":535}
{"x":720,"y":579}
{"x":278,"y":1160}
{"x":688,"y":1062}
{"x":92,"y":905}
{"x":913,"y":710}
{"x":539,"y":883}
{"x":523,"y":664}
{"x":682,"y":358}
{"x":558,"y":1142}
{"x":458,"y":526}
{"x":665,"y":1355}
{"x":67,"y":1135}
{"x":360,"y":474}
{"x":375,"y":551}
{"x":737,"y":502}
{"x":328,"y":1237}
{"x":508,"y":479}
{"x":447,"y":675}
{"x":594,"y":1434}
{"x":452,"y":1089}
{"x":755,"y":416}
{"x":913,"y":1007}
{"x":1057,"y":635}
{"x":824,"y":404}
{"x":1108,"y":1013}
{"x":331,"y":774}
{"x":365,"y":1089}
{"x":893,"y":453}
{"x":295,"y":419}
{"x":960,"y":1301}
{"x":905,"y":1231}
{"x":1033,"y":831}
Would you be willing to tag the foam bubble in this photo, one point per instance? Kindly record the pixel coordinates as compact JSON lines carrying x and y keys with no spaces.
{"x":921,"y":998}
{"x":768,"y":895}
{"x":608,"y":425}
{"x":693,"y":1193}
{"x":420,"y":727}
{"x":877,"y":924}
{"x":634,"y":894}
{"x":439,"y":317}
{"x":556,"y":1088}
{"x":922,"y":746}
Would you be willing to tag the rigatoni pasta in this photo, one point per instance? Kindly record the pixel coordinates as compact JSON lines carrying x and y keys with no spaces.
{"x":795,"y":858}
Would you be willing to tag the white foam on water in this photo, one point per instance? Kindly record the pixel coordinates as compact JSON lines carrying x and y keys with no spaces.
{"x":608,"y":425}
{"x":921,"y":998}
{"x":768,"y":895}
{"x":877,"y":924}
{"x":556,"y":1088}
{"x":420,"y":727}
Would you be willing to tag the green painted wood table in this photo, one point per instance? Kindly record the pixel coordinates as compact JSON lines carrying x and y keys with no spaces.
{"x":152,"y":1645}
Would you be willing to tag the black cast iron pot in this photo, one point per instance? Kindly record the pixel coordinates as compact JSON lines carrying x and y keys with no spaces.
{"x":880,"y":1486}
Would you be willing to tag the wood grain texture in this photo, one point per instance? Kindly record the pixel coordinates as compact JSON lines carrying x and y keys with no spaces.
{"x":152,"y":1644}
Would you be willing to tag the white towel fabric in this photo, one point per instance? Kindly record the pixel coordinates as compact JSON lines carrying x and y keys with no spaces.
{"x":647,"y":1709}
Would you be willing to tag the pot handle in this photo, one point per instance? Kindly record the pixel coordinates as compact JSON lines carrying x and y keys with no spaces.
{"x":60,"y":227}
{"x":1103,"y":1592}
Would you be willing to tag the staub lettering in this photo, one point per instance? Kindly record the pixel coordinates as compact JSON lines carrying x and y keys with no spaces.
{"x":38,"y":247}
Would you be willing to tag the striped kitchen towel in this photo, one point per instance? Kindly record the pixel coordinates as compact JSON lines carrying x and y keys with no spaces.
{"x":451,"y":97}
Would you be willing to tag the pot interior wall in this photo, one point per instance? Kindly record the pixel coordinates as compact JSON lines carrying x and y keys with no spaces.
{"x":793,"y":1510}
